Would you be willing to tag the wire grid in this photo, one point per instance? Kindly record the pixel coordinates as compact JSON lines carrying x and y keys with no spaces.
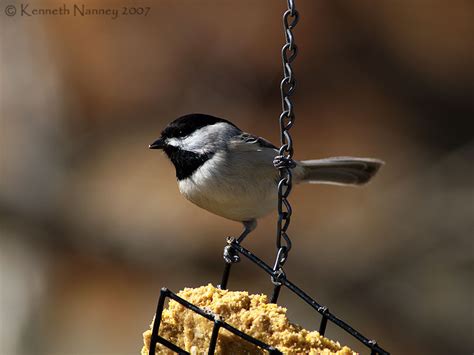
{"x":279,"y":279}
{"x":218,"y":323}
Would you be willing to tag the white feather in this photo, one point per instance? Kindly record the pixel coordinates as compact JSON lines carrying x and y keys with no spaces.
{"x":237,"y":183}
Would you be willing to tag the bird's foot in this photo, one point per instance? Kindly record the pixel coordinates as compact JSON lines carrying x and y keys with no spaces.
{"x":230,"y":255}
{"x":282,"y":162}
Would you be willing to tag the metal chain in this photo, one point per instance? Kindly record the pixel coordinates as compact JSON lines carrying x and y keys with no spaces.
{"x":284,"y":161}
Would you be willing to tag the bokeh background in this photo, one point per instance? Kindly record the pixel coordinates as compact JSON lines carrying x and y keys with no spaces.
{"x":92,"y":224}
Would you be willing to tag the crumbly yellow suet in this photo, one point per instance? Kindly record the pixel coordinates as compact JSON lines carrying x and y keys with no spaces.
{"x":252,"y":314}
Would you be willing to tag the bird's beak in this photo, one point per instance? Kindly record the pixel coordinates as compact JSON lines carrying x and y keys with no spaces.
{"x":158,"y":144}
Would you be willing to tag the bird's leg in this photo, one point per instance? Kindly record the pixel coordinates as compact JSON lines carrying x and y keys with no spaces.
{"x":230,"y":255}
{"x":249,"y":226}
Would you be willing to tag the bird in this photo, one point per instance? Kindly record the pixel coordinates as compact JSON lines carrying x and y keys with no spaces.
{"x":232,"y":174}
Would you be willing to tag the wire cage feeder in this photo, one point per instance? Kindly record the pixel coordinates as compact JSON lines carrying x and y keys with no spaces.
{"x":234,"y":250}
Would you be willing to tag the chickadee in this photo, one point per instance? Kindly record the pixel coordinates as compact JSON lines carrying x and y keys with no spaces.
{"x":231,"y":173}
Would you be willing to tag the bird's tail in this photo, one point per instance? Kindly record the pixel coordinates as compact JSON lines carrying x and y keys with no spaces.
{"x":337,"y":170}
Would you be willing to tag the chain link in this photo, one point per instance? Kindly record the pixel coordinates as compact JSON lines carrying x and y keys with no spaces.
{"x":284,"y":161}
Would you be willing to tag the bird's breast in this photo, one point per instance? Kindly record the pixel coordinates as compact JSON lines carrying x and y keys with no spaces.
{"x":237,"y":189}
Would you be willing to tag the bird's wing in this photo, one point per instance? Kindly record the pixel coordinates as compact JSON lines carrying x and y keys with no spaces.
{"x":249,"y":142}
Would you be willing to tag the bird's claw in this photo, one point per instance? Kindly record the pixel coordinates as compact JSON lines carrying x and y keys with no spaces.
{"x":230,"y":255}
{"x":281,"y":162}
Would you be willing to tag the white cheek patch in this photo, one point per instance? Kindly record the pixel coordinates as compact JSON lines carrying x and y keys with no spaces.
{"x":205,"y":139}
{"x":174,"y":142}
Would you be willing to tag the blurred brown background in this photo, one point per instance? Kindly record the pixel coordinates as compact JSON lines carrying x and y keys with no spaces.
{"x":92,"y":224}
